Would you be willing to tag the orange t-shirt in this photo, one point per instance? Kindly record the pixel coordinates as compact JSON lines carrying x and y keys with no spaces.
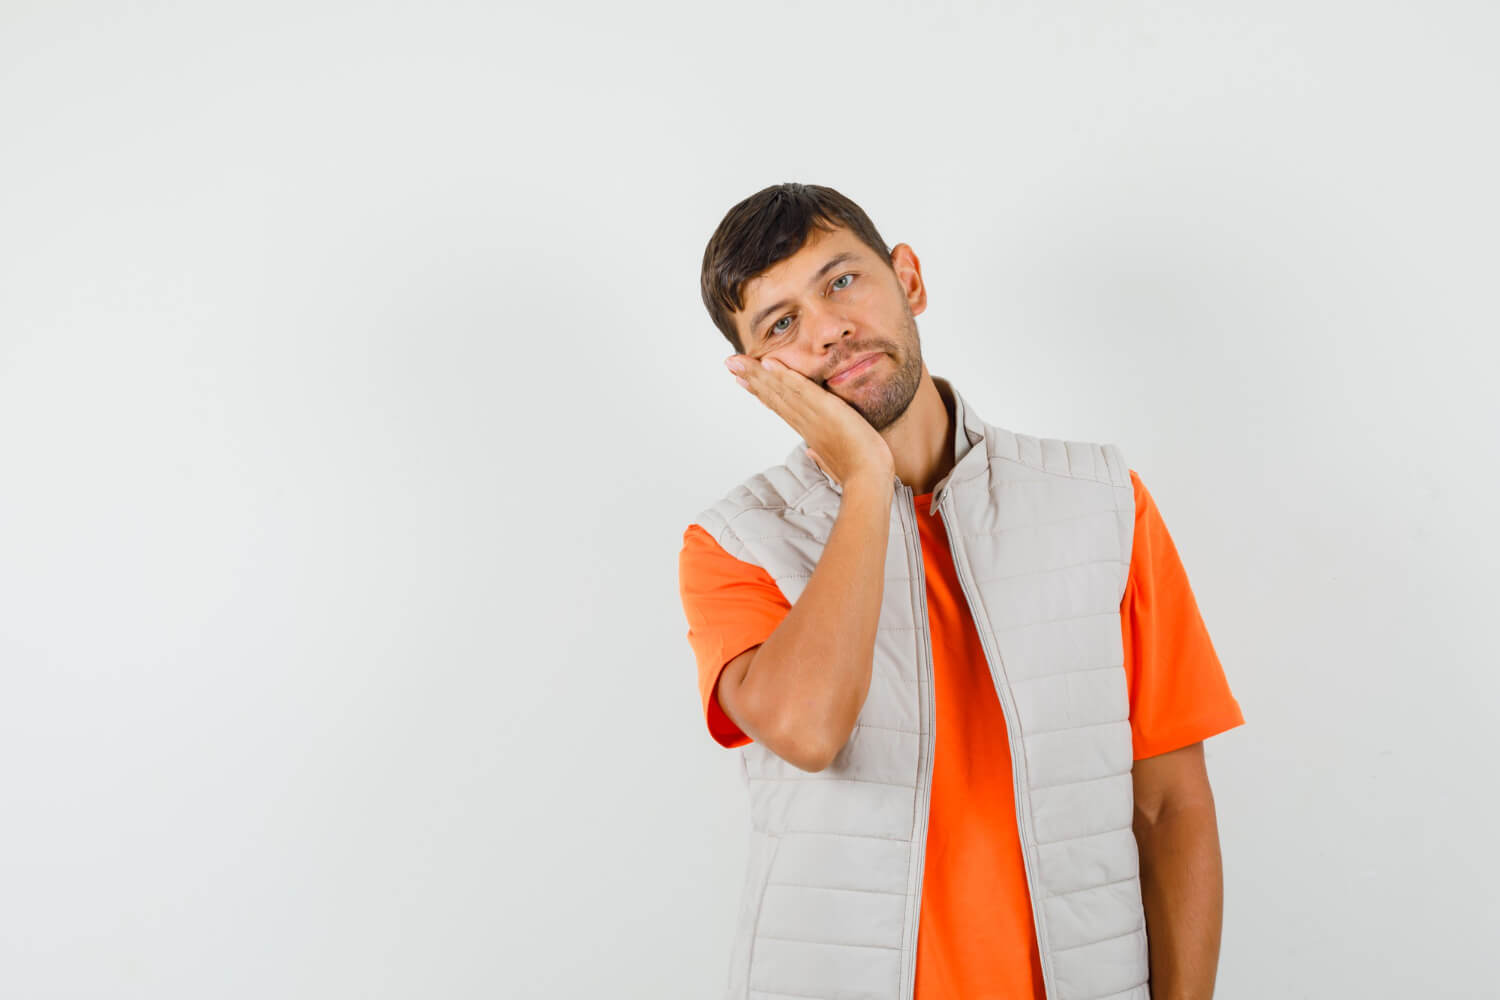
{"x":975,"y":936}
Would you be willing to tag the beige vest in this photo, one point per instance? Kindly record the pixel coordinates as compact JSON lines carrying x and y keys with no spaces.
{"x":1040,"y":531}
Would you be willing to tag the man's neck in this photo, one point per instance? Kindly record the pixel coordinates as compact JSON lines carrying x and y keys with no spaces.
{"x":921,"y":441}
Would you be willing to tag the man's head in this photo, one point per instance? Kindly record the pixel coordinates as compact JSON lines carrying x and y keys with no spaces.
{"x":798,"y":272}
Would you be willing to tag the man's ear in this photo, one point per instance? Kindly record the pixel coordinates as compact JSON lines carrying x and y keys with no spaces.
{"x":908,"y":268}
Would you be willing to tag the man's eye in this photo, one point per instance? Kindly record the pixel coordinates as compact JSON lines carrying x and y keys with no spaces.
{"x":834,"y":284}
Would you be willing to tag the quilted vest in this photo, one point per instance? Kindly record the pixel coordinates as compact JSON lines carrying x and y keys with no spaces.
{"x":1040,"y":531}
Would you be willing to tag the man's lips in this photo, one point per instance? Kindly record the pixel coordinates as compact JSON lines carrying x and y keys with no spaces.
{"x":854,"y":369}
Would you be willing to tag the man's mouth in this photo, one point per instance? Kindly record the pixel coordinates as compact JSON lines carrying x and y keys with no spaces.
{"x":854,"y":370}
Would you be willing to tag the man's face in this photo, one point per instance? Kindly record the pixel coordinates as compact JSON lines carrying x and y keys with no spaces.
{"x":835,"y":303}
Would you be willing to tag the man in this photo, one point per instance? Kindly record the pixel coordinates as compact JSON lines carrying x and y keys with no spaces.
{"x":966,"y":673}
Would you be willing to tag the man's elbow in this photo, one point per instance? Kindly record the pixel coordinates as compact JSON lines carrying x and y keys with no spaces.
{"x":804,"y":748}
{"x":807,"y":741}
{"x":766,"y":721}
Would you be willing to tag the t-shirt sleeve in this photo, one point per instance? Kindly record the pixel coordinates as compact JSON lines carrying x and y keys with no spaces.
{"x":1178,"y":692}
{"x":731,"y":605}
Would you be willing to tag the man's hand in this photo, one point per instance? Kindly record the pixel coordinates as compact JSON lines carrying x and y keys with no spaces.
{"x":838,"y":438}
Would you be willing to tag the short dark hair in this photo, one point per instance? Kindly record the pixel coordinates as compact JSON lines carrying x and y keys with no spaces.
{"x":766,"y":228}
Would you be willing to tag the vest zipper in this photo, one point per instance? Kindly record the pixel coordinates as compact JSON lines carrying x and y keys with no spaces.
{"x":1013,"y":731}
{"x":913,"y":539}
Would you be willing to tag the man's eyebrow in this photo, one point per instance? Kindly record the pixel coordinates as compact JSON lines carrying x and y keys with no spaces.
{"x":834,"y":262}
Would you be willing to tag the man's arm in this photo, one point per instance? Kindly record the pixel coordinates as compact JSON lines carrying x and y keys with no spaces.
{"x":799,"y":692}
{"x":1182,"y":878}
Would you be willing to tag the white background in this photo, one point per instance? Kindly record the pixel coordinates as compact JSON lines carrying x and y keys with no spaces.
{"x":355,"y":392}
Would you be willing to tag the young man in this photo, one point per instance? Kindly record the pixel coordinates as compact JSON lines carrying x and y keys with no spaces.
{"x":963,"y":665}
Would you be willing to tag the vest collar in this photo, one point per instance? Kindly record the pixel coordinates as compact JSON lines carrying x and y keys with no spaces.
{"x":970,"y":456}
{"x":969,"y":453}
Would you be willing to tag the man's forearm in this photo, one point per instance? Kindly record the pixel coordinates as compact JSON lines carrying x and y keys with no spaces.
{"x":815,"y":666}
{"x":1182,"y":885}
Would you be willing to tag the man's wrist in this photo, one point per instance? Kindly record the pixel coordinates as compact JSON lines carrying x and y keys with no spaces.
{"x":871,"y":483}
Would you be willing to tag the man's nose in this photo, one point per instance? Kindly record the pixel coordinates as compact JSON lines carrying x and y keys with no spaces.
{"x":829,"y":327}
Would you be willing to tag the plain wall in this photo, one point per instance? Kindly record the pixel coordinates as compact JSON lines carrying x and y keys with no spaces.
{"x":355,"y":392}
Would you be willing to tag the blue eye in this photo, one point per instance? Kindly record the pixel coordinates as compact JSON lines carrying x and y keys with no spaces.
{"x":776,"y":327}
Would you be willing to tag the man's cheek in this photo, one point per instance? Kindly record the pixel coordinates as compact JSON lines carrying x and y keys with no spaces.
{"x":786,"y":359}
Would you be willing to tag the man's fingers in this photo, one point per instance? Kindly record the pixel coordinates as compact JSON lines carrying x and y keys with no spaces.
{"x":775,"y":384}
{"x":744,"y":369}
{"x":751,"y":373}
